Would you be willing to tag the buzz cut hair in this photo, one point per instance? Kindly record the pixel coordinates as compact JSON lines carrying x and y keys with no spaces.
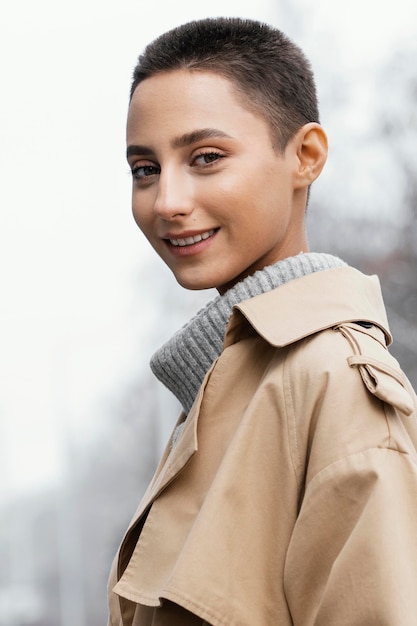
{"x":270,"y":73}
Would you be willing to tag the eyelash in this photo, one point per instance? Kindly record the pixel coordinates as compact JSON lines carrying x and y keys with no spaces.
{"x":218,"y":156}
{"x":135,"y":170}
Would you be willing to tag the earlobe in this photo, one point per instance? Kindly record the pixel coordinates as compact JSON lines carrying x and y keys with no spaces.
{"x":312,"y":148}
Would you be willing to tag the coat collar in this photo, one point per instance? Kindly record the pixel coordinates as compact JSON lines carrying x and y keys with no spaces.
{"x":293,"y":311}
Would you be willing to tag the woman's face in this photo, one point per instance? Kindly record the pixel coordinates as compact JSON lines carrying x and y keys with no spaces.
{"x":211,"y":194}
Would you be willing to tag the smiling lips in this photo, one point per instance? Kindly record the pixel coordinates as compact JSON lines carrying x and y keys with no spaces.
{"x":189,"y":241}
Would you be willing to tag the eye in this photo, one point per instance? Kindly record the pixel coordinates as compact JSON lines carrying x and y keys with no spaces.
{"x":142,"y":172}
{"x":205,"y":159}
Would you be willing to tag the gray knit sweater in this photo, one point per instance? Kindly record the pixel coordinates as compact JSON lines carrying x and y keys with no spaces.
{"x":182,"y":362}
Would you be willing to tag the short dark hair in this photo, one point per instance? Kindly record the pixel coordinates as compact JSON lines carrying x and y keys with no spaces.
{"x":272,"y":74}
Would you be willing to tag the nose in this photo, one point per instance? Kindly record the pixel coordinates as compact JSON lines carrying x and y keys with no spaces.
{"x":174,"y":196}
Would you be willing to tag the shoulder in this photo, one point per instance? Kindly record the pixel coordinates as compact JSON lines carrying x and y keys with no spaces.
{"x":350,"y":358}
{"x":353,"y":354}
{"x":345,"y":393}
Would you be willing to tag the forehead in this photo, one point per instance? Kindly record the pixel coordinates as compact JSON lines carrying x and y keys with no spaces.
{"x":189,"y":99}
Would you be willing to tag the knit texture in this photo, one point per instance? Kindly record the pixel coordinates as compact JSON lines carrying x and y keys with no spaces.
{"x":182,"y":362}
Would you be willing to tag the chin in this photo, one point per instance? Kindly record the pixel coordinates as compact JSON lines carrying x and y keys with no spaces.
{"x":195,"y":282}
{"x":193,"y":285}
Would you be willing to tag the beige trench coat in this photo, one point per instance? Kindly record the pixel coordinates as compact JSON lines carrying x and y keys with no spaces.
{"x":290,"y":498}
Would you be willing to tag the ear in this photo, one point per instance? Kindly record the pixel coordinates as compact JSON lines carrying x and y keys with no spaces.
{"x":311,"y":149}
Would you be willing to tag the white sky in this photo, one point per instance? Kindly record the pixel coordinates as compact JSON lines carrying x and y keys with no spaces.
{"x":69,"y":249}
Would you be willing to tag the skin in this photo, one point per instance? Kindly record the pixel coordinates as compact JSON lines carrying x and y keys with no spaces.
{"x":204,"y":165}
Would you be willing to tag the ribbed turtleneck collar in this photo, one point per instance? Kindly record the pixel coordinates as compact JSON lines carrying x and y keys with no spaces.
{"x":182,"y":362}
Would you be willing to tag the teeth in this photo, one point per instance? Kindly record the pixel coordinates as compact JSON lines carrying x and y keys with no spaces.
{"x":188,"y":241}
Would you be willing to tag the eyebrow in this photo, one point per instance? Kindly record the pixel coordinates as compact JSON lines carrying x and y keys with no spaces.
{"x":138,"y":150}
{"x":181,"y":141}
{"x":197,"y":135}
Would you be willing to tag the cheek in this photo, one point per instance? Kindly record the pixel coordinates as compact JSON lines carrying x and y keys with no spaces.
{"x":141,"y":211}
{"x":143,"y":225}
{"x":136,"y":212}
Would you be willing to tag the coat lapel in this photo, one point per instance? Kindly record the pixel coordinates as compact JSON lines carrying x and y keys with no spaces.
{"x":173,"y":461}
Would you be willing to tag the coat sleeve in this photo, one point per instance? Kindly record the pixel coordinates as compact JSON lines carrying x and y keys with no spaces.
{"x":352,"y":557}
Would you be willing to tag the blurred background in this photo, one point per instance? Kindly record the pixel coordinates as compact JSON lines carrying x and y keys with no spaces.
{"x":84,"y":303}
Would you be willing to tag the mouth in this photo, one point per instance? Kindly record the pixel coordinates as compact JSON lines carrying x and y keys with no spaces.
{"x":189,"y":241}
